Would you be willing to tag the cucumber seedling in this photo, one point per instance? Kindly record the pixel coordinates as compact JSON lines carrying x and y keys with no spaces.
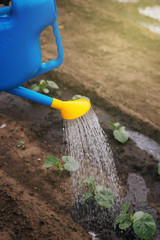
{"x":103,"y":196}
{"x":45,"y":86}
{"x":119,"y":132}
{"x":69,"y":163}
{"x":142,"y":223}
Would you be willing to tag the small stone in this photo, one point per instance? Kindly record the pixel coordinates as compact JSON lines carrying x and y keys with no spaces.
{"x":39,"y":159}
{"x":3,"y":125}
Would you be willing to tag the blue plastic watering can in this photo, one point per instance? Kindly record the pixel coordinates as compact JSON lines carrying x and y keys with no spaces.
{"x":20,"y":53}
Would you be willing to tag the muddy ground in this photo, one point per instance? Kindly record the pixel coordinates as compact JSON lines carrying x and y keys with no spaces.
{"x":36,"y":202}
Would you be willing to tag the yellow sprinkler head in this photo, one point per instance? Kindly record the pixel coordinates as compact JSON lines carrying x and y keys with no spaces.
{"x":72,"y":109}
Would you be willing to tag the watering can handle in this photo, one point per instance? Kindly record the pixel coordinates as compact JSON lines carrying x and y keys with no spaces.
{"x":45,"y":67}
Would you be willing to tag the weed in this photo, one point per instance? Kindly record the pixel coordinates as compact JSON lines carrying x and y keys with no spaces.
{"x":70,"y":164}
{"x":120,"y":134}
{"x":142,"y":223}
{"x":103,"y":196}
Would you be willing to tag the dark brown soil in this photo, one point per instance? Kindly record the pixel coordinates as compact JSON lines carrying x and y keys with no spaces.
{"x":36,"y":202}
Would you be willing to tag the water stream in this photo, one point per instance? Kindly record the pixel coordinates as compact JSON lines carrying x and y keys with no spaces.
{"x":87,"y":143}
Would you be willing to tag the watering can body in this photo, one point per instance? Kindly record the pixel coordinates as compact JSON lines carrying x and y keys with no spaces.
{"x":20,"y":53}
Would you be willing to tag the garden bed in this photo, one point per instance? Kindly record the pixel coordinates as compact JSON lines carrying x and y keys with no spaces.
{"x":36,"y":203}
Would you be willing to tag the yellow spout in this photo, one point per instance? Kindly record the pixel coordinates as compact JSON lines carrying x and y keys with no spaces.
{"x":71,"y":109}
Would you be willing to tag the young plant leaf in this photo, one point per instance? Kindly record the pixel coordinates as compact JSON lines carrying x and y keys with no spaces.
{"x":86,"y":196}
{"x":51,"y":161}
{"x":53,"y":85}
{"x":125,"y":207}
{"x":35,"y":87}
{"x":138,"y":215}
{"x":59,"y":93}
{"x":104,"y":196}
{"x":115,"y":125}
{"x":75,"y":97}
{"x":145,"y":227}
{"x":159,"y":168}
{"x":70,"y":163}
{"x":43,"y":84}
{"x":125,"y":225}
{"x":121,"y":218}
{"x":45,"y":90}
{"x":88,"y":181}
{"x":121,"y":135}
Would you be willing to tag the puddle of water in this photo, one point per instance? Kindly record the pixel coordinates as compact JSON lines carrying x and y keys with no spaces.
{"x":153,"y":12}
{"x":87,"y":143}
{"x":146,"y":144}
{"x":136,"y":194}
{"x":152,"y":28}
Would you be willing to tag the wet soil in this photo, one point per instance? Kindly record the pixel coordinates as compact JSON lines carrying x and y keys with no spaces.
{"x":36,"y":203}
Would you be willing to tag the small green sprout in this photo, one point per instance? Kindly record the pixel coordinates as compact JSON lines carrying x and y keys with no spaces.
{"x":120,"y":133}
{"x":70,"y":164}
{"x":75,"y":97}
{"x":20,"y":144}
{"x":159,"y":168}
{"x":142,"y":223}
{"x":103,"y":196}
{"x":44,"y":86}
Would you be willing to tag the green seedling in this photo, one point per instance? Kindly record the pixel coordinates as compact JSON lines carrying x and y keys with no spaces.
{"x":103,"y":196}
{"x":75,"y":97}
{"x":69,"y":163}
{"x":142,"y":223}
{"x":159,"y":168}
{"x":119,"y":132}
{"x":20,"y":144}
{"x":44,"y":86}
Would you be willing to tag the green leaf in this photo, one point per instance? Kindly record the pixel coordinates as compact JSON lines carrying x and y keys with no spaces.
{"x":20,"y":144}
{"x":125,"y":225}
{"x":75,"y":97}
{"x":121,"y":218}
{"x":70,"y":163}
{"x":59,"y":93}
{"x":45,"y":90}
{"x":51,"y":161}
{"x":138,"y":215}
{"x":88,"y":181}
{"x":145,"y":227}
{"x":35,"y":87}
{"x":159,"y":168}
{"x":86,"y":196}
{"x":130,"y":215}
{"x":43,"y":84}
{"x":53,"y":85}
{"x":125,"y":207}
{"x":121,"y":135}
{"x":104,"y":196}
{"x":115,"y":125}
